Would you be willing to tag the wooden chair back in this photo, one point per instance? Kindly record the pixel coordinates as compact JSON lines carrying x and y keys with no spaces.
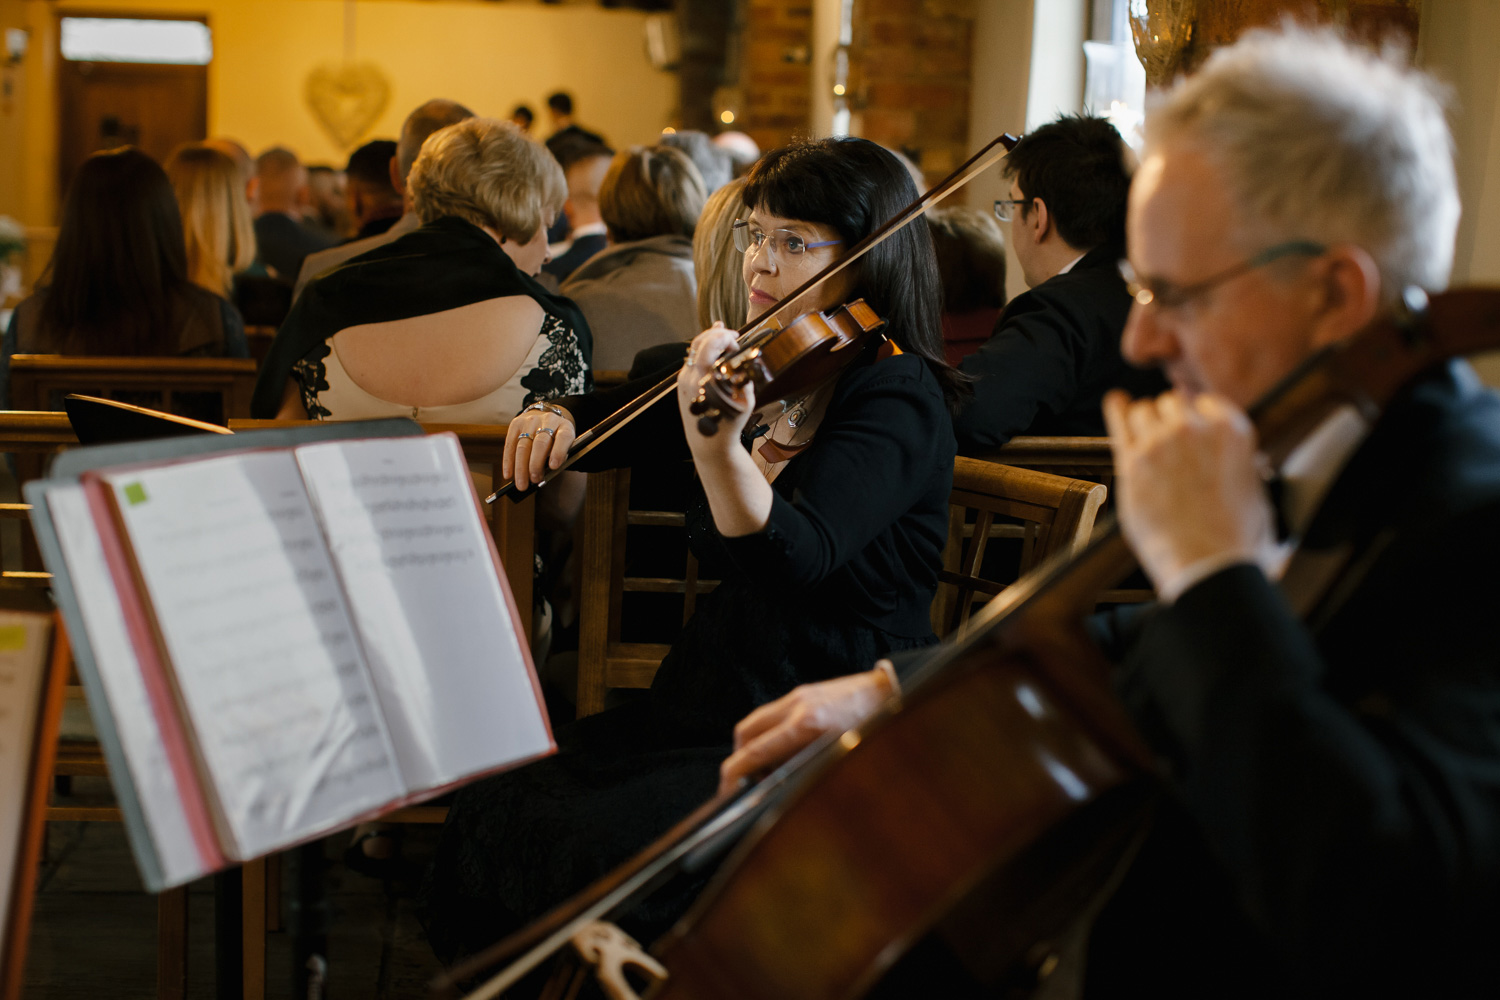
{"x":1044,"y":513}
{"x":203,"y":388}
{"x":33,"y":438}
{"x":513,"y":525}
{"x":604,"y":660}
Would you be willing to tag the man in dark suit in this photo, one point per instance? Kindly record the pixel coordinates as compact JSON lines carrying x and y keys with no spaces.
{"x":587,"y":234}
{"x":1056,"y":347}
{"x":282,"y":239}
{"x":1331,"y":753}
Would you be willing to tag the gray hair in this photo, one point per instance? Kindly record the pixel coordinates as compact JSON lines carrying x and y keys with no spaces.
{"x":1325,"y":141}
{"x":490,"y":173}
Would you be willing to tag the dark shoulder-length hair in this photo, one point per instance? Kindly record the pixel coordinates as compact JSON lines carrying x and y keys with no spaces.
{"x":854,"y":186}
{"x":118,"y":275}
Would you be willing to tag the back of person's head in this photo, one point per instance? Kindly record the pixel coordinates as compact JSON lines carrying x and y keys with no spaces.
{"x":573,"y":149}
{"x":855,"y":186}
{"x":490,"y":173}
{"x":1078,"y":166}
{"x":282,"y":179}
{"x":713,"y":162}
{"x":1322,"y":140}
{"x":216,"y":220}
{"x":585,"y":177}
{"x":523,"y":116}
{"x":421,"y":123}
{"x":650,"y":192}
{"x":244,"y":163}
{"x":970,"y":256}
{"x":560,"y":103}
{"x":370,"y":168}
{"x":120,"y":264}
{"x":743,"y":150}
{"x":722,"y":296}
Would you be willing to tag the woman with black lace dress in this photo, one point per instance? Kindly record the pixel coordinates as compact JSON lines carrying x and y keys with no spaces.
{"x":827,"y":513}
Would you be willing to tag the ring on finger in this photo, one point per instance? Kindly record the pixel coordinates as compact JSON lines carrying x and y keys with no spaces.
{"x":524,"y":435}
{"x":547,"y":430}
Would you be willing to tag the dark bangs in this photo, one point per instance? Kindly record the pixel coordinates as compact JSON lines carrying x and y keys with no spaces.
{"x":854,"y":186}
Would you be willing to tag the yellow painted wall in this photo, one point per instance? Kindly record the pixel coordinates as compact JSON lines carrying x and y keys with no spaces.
{"x":488,"y":56}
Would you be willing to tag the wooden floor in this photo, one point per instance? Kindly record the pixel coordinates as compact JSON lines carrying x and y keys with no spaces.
{"x":94,"y":934}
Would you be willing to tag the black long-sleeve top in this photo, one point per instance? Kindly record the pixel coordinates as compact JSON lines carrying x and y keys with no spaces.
{"x":846,"y":567}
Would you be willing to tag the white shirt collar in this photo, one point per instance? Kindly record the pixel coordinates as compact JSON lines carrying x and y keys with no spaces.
{"x":1069,"y":265}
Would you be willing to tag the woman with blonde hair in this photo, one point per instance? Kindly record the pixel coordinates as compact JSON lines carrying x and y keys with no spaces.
{"x":447,"y":323}
{"x":722,"y":297}
{"x":216,"y":220}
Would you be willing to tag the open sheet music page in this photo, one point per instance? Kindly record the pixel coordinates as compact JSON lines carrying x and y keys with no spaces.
{"x":414,"y":554}
{"x":119,"y":670}
{"x":24,"y":640}
{"x":261,"y":646}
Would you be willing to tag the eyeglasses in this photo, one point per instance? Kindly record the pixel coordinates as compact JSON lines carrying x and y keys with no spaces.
{"x":780,"y":241}
{"x":1166,"y":295}
{"x":1003,"y":210}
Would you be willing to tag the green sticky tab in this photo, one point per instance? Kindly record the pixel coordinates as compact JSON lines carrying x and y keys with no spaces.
{"x":12,"y":638}
{"x":135,"y":493}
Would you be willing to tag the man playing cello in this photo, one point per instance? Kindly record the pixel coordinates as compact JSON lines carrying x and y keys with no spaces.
{"x":1334,"y":823}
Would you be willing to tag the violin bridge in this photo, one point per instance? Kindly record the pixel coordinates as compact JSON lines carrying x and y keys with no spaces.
{"x":609,"y":950}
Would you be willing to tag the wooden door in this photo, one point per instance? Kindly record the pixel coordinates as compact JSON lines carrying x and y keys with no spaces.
{"x":156,"y":107}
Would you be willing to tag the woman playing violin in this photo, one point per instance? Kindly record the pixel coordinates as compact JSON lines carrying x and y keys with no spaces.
{"x":828,"y":514}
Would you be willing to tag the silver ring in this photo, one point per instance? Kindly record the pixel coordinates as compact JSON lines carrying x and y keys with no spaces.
{"x":547,"y":430}
{"x":544,"y":408}
{"x":521,"y":435}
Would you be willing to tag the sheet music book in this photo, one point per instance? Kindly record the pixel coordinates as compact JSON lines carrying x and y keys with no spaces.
{"x":30,"y":707}
{"x":285,"y":636}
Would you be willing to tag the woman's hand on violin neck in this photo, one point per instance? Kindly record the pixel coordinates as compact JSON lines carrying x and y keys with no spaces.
{"x":706,"y":349}
{"x":774,"y":733}
{"x":536,"y":441}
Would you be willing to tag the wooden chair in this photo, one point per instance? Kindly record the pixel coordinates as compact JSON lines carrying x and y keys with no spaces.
{"x":33,"y":438}
{"x":1077,"y":457}
{"x":177,"y":385}
{"x":1044,"y":513}
{"x":604,"y":661}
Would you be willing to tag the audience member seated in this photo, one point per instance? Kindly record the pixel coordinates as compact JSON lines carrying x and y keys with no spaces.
{"x":564,"y":131}
{"x":522,"y":117}
{"x":373,"y":201}
{"x":713,"y":162}
{"x":445,"y":324}
{"x":742,"y":150}
{"x":118,"y":282}
{"x":244,"y":163}
{"x":327,"y":201}
{"x":421,"y":123}
{"x":216,"y":222}
{"x":641,"y":290}
{"x":587,"y":232}
{"x":971,"y":259}
{"x":722,"y":296}
{"x":282,"y":238}
{"x":1056,"y":348}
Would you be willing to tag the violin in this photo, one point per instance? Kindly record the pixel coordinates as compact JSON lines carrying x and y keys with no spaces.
{"x":782,"y":361}
{"x":991,"y":802}
{"x":787,"y":361}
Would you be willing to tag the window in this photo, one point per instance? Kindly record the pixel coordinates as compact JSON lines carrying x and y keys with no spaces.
{"x":111,"y":39}
{"x":1115,"y":81}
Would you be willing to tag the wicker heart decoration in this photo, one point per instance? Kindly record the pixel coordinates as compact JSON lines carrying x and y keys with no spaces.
{"x":347,"y":99}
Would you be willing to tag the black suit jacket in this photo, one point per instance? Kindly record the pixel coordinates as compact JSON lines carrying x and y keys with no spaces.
{"x":582,"y":249}
{"x":283,"y":243}
{"x":1335,"y":825}
{"x":1055,"y":352}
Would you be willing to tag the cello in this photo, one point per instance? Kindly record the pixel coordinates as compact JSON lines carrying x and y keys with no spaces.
{"x":1005,"y":780}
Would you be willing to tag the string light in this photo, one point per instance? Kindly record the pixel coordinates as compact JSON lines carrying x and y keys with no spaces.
{"x":669,"y":130}
{"x":727,"y":117}
{"x":838,"y":89}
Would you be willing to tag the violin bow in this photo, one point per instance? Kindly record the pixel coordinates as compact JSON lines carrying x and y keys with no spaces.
{"x":757,"y":330}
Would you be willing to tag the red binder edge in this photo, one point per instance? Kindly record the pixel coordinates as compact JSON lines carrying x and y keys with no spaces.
{"x":153,"y":673}
{"x":28,"y":858}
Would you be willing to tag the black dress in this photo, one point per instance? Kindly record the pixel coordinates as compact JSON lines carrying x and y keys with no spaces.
{"x":843,"y":573}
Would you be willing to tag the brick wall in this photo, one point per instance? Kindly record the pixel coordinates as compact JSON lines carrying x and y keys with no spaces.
{"x":775,"y":73}
{"x":910,"y":67}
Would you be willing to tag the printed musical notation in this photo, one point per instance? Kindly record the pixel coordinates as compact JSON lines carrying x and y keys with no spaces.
{"x":261,"y":643}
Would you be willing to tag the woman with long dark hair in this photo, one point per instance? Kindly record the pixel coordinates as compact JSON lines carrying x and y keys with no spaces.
{"x":827,"y":514}
{"x":118,"y":283}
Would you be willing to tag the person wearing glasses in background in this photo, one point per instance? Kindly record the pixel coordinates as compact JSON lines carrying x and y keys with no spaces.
{"x":823,"y":516}
{"x":1056,"y":347}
